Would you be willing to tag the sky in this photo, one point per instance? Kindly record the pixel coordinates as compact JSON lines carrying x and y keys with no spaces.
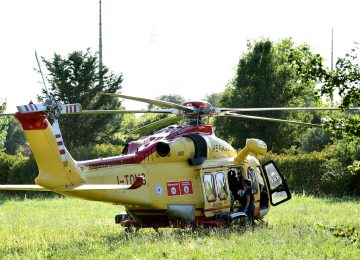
{"x":185,"y":47}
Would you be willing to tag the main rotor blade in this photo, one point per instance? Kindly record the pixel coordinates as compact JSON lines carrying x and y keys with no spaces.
{"x":156,"y":125}
{"x":7,"y":114}
{"x":156,"y":102}
{"x":284,"y":109}
{"x":271,"y":119}
{"x":158,"y":111}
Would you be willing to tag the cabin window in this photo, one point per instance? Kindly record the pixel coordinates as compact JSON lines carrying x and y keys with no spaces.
{"x":251,"y":174}
{"x":209,"y":187}
{"x":221,"y":185}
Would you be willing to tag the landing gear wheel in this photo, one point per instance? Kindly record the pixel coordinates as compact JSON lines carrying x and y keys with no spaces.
{"x":129,"y":229}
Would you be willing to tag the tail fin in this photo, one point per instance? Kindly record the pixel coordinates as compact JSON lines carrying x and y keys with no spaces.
{"x":53,"y":172}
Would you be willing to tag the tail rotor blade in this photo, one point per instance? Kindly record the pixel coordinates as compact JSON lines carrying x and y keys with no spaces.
{"x":31,"y":107}
{"x":42,"y":75}
{"x":71,"y":108}
{"x":60,"y":142}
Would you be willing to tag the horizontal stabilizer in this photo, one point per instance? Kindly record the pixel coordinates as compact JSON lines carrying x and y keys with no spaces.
{"x":94,"y":187}
{"x":29,"y":187}
{"x":84,"y":187}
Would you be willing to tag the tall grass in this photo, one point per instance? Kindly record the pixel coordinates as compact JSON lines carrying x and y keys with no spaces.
{"x":63,"y":228}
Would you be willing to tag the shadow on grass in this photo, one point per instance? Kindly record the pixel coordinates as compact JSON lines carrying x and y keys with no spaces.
{"x":339,"y":200}
{"x":26,"y":195}
{"x":179,"y":235}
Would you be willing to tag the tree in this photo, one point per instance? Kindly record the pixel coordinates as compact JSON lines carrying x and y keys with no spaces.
{"x":213,"y":98}
{"x":344,"y":80}
{"x":75,"y":79}
{"x":16,"y":141}
{"x":4,"y":124}
{"x":264,"y":79}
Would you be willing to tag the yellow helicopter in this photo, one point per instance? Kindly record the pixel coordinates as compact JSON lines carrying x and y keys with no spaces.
{"x":180,"y":175}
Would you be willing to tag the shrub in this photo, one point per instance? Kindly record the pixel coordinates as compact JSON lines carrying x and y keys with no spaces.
{"x":9,"y":164}
{"x":97,"y":151}
{"x":302,"y":171}
{"x":333,"y":171}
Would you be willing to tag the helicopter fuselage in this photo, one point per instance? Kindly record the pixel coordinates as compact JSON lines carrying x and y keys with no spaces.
{"x":184,"y":170}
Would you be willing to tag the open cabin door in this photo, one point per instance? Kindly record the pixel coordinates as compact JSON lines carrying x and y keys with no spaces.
{"x":215,"y":191}
{"x":278,"y":189}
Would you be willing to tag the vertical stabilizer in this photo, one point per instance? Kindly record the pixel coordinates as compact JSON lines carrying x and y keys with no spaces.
{"x":49,"y":152}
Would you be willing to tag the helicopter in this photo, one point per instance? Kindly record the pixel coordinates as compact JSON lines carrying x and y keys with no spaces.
{"x":181,"y":175}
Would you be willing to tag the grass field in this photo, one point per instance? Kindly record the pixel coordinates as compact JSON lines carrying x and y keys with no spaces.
{"x":63,"y":228}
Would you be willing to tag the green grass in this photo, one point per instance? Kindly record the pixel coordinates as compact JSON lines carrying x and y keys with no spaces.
{"x":63,"y":228}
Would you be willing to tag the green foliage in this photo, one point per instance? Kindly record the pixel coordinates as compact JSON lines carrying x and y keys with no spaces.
{"x":338,"y":177}
{"x":332,"y":171}
{"x":314,"y":139}
{"x":17,"y":169}
{"x":4,"y":124}
{"x":302,"y":172}
{"x":290,"y":232}
{"x":350,"y":232}
{"x":265,"y":79}
{"x":15,"y":141}
{"x":214,"y":99}
{"x":76,"y":79}
{"x":344,"y":80}
{"x":96,"y":151}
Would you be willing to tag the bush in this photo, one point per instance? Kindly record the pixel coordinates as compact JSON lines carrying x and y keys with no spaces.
{"x":338,"y":177}
{"x":97,"y":151}
{"x":9,"y":164}
{"x":302,"y":171}
{"x":332,"y":171}
{"x":24,"y":171}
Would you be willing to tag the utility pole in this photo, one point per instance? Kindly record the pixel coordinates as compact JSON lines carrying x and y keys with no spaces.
{"x":332,"y":59}
{"x":332,"y":48}
{"x":100,"y":46}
